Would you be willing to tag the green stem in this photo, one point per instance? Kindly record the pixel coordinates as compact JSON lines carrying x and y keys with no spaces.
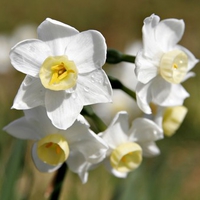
{"x":114,"y":57}
{"x":116,"y":84}
{"x":128,"y":58}
{"x":58,"y":181}
{"x":88,"y":111}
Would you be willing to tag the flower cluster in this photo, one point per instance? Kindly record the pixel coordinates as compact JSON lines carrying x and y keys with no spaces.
{"x":64,"y":74}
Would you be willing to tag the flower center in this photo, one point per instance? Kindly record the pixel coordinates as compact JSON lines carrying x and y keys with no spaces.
{"x":58,"y":73}
{"x":173,"y":66}
{"x":53,"y":149}
{"x":126,"y":157}
{"x":172,"y":119}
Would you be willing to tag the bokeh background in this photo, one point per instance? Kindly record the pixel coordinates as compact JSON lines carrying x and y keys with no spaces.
{"x":175,"y":174}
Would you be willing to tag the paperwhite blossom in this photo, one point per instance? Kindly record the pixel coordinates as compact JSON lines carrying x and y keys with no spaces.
{"x":128,"y":145}
{"x":162,"y":65}
{"x":64,"y":71}
{"x":78,"y":146}
{"x":168,"y":118}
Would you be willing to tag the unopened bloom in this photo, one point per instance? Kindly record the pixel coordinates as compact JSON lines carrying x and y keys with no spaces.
{"x":127,"y":145}
{"x":168,"y":118}
{"x":162,"y":65}
{"x":64,"y":71}
{"x":78,"y":146}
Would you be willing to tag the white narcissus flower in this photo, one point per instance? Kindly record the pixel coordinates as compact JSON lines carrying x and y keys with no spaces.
{"x":128,"y":145}
{"x":64,"y":71}
{"x":168,"y":118}
{"x":162,"y":64}
{"x":78,"y":146}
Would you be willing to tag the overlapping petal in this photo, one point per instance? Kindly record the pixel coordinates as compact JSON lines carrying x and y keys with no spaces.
{"x":144,"y":130}
{"x":94,"y":88}
{"x":168,"y":33}
{"x":88,"y":50}
{"x":112,"y":170}
{"x":78,"y":164}
{"x":192,"y":61}
{"x":30,"y":94}
{"x":143,"y":97}
{"x":176,"y":96}
{"x":146,"y":68}
{"x":62,"y":108}
{"x":150,"y":149}
{"x":22,"y":130}
{"x":38,"y":118}
{"x":56,"y":35}
{"x":28,"y":56}
{"x":117,"y":132}
{"x":149,"y":43}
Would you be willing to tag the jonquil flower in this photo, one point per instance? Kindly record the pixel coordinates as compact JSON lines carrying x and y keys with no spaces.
{"x":168,"y":118}
{"x":162,"y":65}
{"x":78,"y":146}
{"x":128,"y":145}
{"x":64,"y":71}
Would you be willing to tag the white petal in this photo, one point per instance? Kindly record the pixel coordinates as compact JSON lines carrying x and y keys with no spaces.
{"x":62,"y":108}
{"x":38,"y":118}
{"x":112,"y":170}
{"x":146,"y":69}
{"x":189,"y":75}
{"x":78,"y":164}
{"x":192,"y":61}
{"x":176,"y":96}
{"x":145,"y":130}
{"x":159,"y":89}
{"x":81,"y":139}
{"x":151,"y":48}
{"x":30,"y":94}
{"x":143,"y":97}
{"x":56,"y":35}
{"x":117,"y":132}
{"x":88,"y":50}
{"x":94,"y":88}
{"x":21,"y":129}
{"x":168,"y":33}
{"x":28,"y":56}
{"x":41,"y":166}
{"x":149,"y":149}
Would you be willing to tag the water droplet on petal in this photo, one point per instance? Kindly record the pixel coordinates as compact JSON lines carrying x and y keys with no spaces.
{"x":92,"y":78}
{"x":70,"y":90}
{"x":86,"y":89}
{"x":74,"y":95}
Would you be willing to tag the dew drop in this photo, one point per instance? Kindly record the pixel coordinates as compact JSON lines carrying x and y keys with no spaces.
{"x":70,"y":90}
{"x":74,"y":95}
{"x":86,"y":89}
{"x":93,"y":78}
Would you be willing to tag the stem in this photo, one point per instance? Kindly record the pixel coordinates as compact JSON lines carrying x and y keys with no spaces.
{"x":116,"y":84}
{"x":128,"y":58}
{"x":114,"y":57}
{"x":88,"y":111}
{"x":57,"y":182}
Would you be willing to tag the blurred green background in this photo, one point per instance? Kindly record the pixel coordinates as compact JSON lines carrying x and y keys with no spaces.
{"x":175,"y":174}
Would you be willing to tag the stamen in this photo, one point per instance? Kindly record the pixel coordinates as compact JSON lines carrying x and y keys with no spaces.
{"x":49,"y":144}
